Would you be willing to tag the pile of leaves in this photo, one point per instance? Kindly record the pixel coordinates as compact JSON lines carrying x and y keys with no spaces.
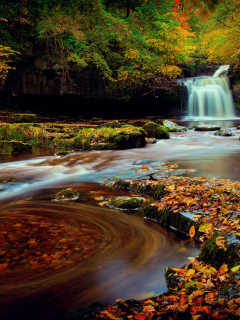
{"x":29,"y":242}
{"x":200,"y":294}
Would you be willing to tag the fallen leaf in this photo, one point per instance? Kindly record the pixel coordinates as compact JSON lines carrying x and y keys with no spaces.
{"x":192,"y":232}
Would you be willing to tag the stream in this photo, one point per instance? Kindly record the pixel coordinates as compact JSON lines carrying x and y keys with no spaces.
{"x":124,"y":256}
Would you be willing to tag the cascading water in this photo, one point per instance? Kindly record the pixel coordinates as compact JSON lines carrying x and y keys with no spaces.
{"x":209,"y":97}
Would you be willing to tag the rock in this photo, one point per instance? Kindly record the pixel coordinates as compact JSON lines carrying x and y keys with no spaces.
{"x":216,"y":256}
{"x":151,"y":140}
{"x":128,"y":204}
{"x":21,"y":118}
{"x":172,"y":219}
{"x":109,"y":138}
{"x":224,"y":133}
{"x":207,"y":127}
{"x":62,"y":152}
{"x":10,"y":147}
{"x":67,"y":194}
{"x":113,"y":124}
{"x":155,"y":130}
{"x":173,"y":127}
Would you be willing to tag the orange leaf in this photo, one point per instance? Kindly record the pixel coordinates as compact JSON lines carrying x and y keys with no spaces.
{"x":192,"y":231}
{"x":211,"y":295}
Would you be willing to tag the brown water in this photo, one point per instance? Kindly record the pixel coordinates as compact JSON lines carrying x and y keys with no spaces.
{"x":125,"y":256}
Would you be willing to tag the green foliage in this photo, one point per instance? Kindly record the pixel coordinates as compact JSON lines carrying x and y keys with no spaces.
{"x":83,"y":34}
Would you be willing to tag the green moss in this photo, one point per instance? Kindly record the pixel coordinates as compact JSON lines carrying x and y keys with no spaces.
{"x":216,"y":256}
{"x":112,"y":124}
{"x":156,"y":130}
{"x":132,"y":203}
{"x":122,"y":184}
{"x":10,"y":147}
{"x":207,"y":128}
{"x":158,"y":191}
{"x":22,"y":118}
{"x":172,"y":219}
{"x":61,"y":153}
{"x":67,"y":194}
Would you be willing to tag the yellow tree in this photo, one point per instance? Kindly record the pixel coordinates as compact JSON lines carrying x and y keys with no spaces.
{"x":221,"y":40}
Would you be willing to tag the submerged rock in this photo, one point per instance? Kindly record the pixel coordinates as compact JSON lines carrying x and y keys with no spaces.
{"x":10,"y":147}
{"x":155,"y":130}
{"x":173,"y":127}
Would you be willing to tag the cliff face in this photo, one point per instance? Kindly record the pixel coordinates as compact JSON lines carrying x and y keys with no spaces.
{"x":54,"y":83}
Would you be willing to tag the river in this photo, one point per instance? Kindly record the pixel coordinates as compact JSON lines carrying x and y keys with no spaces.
{"x":125,"y":256}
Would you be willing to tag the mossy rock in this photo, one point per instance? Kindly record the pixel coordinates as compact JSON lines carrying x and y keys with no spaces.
{"x":207,"y":128}
{"x":128,"y":204}
{"x":172,"y":219}
{"x":22,"y":118}
{"x":224,"y":133}
{"x":112,"y":124}
{"x":11,"y":147}
{"x":67,"y":194}
{"x":156,"y":130}
{"x":173,"y":127}
{"x":122,"y":184}
{"x":157,"y":190}
{"x":216,"y":256}
{"x":62,"y":152}
{"x":102,"y":146}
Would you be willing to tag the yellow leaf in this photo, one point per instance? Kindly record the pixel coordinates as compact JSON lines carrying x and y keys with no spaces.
{"x":235,"y":269}
{"x":102,"y":203}
{"x":192,"y":231}
{"x":190,"y":272}
{"x":205,"y":227}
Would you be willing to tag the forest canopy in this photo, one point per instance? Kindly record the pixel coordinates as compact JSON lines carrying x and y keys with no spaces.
{"x":125,"y":41}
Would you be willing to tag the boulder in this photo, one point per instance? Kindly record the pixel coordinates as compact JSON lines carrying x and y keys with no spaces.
{"x":11,"y":147}
{"x":155,"y":130}
{"x":224,"y":133}
{"x":173,"y":127}
{"x":207,"y":127}
{"x":67,"y":194}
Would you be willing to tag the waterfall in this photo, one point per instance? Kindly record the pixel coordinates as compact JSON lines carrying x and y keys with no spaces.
{"x":209,"y":97}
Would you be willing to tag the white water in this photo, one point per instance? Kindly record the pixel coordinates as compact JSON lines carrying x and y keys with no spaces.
{"x":209,"y":97}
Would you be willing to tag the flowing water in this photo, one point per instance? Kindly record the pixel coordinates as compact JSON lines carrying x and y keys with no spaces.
{"x":209,"y":97}
{"x":110,"y":254}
